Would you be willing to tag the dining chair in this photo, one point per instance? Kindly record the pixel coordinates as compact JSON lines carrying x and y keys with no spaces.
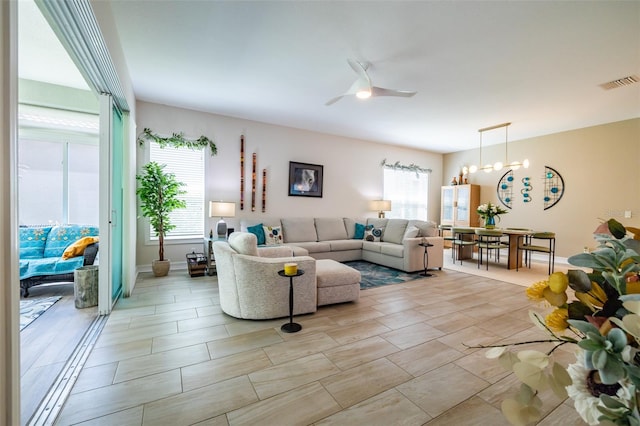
{"x":489,"y":240}
{"x":539,"y":242}
{"x":463,"y":238}
{"x":446,"y":233}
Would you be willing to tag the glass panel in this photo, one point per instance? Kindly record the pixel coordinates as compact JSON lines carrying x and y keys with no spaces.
{"x":83,"y":184}
{"x":462,"y":212}
{"x":447,"y":204}
{"x":40,"y":182}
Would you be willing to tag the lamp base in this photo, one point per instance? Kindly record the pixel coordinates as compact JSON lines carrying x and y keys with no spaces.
{"x":221,"y":229}
{"x":380,"y":215}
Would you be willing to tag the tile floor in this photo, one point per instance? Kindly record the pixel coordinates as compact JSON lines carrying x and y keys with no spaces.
{"x":401,"y":355}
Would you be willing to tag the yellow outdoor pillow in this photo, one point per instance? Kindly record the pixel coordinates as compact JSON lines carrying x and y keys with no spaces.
{"x":77,"y":248}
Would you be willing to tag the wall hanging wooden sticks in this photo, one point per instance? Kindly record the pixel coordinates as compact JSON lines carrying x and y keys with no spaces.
{"x":242,"y":172}
{"x":264,"y":190}
{"x":253,"y":185}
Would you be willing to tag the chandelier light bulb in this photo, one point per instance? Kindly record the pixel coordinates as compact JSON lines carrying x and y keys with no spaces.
{"x":525,"y":164}
{"x":473,"y":169}
{"x":488,"y":168}
{"x":515,"y":165}
{"x":497,"y":166}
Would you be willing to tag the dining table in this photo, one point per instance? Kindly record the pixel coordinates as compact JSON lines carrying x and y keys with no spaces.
{"x":514,"y":261}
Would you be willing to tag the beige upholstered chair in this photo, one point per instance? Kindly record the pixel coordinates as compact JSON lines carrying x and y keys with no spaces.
{"x":249,"y":284}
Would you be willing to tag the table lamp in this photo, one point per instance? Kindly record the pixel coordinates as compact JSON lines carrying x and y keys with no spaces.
{"x":221,"y":209}
{"x":380,"y":206}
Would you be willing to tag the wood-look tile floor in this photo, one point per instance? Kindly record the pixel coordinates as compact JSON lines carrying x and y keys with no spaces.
{"x":401,"y":355}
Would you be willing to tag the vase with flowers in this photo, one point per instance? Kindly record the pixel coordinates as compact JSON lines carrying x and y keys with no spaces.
{"x":488,"y":212}
{"x":596,"y":312}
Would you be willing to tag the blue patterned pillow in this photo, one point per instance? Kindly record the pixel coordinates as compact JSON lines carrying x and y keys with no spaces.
{"x":32,"y":242}
{"x":259,"y":233}
{"x":62,"y":236}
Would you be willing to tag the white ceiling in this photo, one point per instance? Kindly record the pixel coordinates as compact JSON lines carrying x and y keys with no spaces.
{"x":537,"y":64}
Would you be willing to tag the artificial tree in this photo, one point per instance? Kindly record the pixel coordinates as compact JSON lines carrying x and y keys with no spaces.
{"x":159,"y":193}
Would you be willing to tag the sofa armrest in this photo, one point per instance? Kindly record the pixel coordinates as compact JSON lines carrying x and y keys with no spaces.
{"x":414,"y":252}
{"x":90,"y":253}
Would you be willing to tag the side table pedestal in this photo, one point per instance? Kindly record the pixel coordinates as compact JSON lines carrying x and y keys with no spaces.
{"x":291,"y":327}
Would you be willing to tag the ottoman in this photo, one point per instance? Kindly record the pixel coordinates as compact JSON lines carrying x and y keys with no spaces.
{"x":336,"y":282}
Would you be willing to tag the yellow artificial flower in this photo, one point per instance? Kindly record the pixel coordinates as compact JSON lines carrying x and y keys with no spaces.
{"x":557,"y":320}
{"x":594,"y":298}
{"x":536,"y":290}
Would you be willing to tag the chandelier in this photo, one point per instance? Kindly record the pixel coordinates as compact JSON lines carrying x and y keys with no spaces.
{"x":498,"y":165}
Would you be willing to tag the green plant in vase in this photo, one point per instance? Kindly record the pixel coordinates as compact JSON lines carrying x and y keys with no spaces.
{"x":159,"y":193}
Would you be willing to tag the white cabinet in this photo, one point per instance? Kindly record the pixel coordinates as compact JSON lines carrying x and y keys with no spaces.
{"x":459,"y":205}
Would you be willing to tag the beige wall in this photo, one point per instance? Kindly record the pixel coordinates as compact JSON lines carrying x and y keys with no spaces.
{"x":352,"y":171}
{"x":600,"y":169}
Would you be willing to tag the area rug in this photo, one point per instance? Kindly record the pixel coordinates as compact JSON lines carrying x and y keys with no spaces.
{"x":30,"y":309}
{"x":375,"y":275}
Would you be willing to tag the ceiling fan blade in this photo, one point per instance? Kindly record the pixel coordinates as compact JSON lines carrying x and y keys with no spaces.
{"x":334,"y":100}
{"x":379,"y":91}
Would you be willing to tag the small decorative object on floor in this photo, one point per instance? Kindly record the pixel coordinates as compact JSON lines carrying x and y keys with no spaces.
{"x":85,"y":286}
{"x":602,"y":320}
{"x":488,"y":213}
{"x":197,"y":264}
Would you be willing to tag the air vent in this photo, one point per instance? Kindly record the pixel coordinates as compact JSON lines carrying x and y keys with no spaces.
{"x":624,"y":81}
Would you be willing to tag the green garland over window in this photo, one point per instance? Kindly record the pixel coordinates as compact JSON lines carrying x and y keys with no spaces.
{"x":177,"y":140}
{"x":411,"y":167}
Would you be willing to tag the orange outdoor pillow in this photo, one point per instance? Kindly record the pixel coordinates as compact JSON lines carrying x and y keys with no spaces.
{"x":77,"y":248}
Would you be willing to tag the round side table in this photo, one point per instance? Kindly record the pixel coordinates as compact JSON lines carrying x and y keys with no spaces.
{"x":291,"y":327}
{"x":425,"y":259}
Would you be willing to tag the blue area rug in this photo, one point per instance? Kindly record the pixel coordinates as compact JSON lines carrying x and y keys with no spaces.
{"x":30,"y":309}
{"x":375,"y":275}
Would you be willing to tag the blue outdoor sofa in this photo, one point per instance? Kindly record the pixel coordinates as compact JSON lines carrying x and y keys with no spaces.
{"x":41,"y":253}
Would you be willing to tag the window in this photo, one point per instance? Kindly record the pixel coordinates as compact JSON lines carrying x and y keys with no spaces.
{"x":188,"y":166}
{"x":58,"y":167}
{"x":408,"y":191}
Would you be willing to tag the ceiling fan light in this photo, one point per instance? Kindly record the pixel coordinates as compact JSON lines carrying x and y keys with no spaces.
{"x":363,"y":94}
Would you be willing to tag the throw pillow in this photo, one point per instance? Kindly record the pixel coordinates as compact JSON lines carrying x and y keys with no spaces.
{"x":360,"y":228}
{"x":273,"y":235}
{"x":373,"y":234}
{"x":411,"y":232}
{"x":258,"y":231}
{"x":77,"y":248}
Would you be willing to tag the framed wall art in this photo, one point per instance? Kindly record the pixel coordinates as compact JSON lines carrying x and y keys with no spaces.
{"x":305,"y":179}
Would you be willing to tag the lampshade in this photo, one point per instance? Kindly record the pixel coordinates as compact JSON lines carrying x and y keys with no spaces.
{"x":380,"y":206}
{"x":222,"y":209}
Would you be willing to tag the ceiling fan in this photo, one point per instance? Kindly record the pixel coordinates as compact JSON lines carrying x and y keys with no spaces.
{"x":363,"y":88}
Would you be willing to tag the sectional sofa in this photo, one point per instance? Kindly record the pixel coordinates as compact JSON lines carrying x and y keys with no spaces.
{"x":389,"y":242}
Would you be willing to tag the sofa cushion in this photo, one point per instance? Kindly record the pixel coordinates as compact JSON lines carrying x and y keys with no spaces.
{"x":258,"y":232}
{"x":377,"y":222}
{"x":244,"y":243}
{"x":359,"y":233}
{"x":330,"y":273}
{"x":32,"y":242}
{"x":48,"y":266}
{"x":314,"y":247}
{"x":392,"y":249}
{"x":273,"y":235}
{"x":299,"y":230}
{"x":340,"y":245}
{"x":77,"y":248}
{"x":427,"y":228}
{"x":61,"y":236}
{"x":350,"y":227}
{"x":330,"y":229}
{"x":411,"y":232}
{"x":373,"y":234}
{"x":394,"y":230}
{"x":371,"y":246}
